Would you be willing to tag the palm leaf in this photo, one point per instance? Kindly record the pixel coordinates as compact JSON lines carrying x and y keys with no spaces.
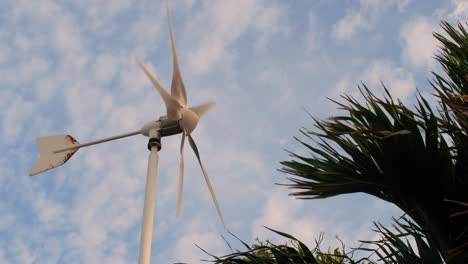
{"x":394,"y":246}
{"x":382,"y":148}
{"x":292,"y":252}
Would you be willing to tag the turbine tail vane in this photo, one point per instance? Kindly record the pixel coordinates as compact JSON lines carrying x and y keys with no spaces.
{"x":48,"y":157}
{"x":56,"y":150}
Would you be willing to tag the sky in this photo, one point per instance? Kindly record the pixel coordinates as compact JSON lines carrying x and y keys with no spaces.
{"x":68,"y":67}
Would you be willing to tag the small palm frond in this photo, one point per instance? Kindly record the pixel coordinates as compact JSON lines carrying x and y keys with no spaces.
{"x":458,"y":249}
{"x":291,"y":252}
{"x":405,"y":244}
{"x":452,"y":88}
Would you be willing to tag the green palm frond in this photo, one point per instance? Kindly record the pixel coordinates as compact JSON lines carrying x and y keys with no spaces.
{"x":292,"y":252}
{"x":406,"y":243}
{"x":452,"y":88}
{"x":381,"y":148}
{"x":372,"y":149}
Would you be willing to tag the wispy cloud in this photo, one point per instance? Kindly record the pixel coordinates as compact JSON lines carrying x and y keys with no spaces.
{"x":418,"y":43}
{"x":364,"y":18}
{"x":226,"y":21}
{"x":399,"y":81}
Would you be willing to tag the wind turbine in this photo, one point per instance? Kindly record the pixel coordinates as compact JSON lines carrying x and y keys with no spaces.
{"x":54,"y":151}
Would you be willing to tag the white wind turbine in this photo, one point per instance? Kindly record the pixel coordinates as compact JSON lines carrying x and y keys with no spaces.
{"x":56,"y":150}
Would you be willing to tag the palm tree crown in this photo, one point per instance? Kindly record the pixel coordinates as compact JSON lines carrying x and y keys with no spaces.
{"x":415,"y":159}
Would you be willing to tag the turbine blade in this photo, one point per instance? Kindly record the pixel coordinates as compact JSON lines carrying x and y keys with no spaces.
{"x":148,"y":209}
{"x":200,"y":110}
{"x":172,"y":106}
{"x":195,"y":149}
{"x":48,"y":159}
{"x":177,"y":86}
{"x":181,"y":176}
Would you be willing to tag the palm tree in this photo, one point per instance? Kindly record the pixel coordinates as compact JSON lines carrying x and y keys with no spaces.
{"x":416,"y":159}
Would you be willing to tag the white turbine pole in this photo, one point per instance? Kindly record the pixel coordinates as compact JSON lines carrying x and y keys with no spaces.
{"x":150,"y":199}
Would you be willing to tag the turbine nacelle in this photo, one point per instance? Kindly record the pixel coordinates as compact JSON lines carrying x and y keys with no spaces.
{"x":163,"y":125}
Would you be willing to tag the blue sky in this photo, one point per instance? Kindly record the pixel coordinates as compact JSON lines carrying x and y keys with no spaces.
{"x":69,"y":68}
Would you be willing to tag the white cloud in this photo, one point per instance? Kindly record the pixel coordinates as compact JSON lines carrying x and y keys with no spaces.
{"x":186,"y":251}
{"x":83,"y":102}
{"x":24,"y":71}
{"x":99,"y":13}
{"x":398,"y":80}
{"x":22,"y":253}
{"x":23,"y":43}
{"x":7,"y":218}
{"x":312,"y":35}
{"x":60,"y":36}
{"x":45,"y":88}
{"x":282,"y":95}
{"x":2,"y":257}
{"x":68,"y":40}
{"x":363,"y":18}
{"x":18,"y":112}
{"x":460,"y":10}
{"x":33,"y":68}
{"x":378,"y":5}
{"x":225,"y":22}
{"x":104,"y":68}
{"x":341,"y":87}
{"x":279,"y":212}
{"x":4,"y":53}
{"x":348,"y":25}
{"x":270,"y":20}
{"x":48,"y":211}
{"x":145,"y":33}
{"x":45,"y":9}
{"x":104,"y":209}
{"x":418,"y":43}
